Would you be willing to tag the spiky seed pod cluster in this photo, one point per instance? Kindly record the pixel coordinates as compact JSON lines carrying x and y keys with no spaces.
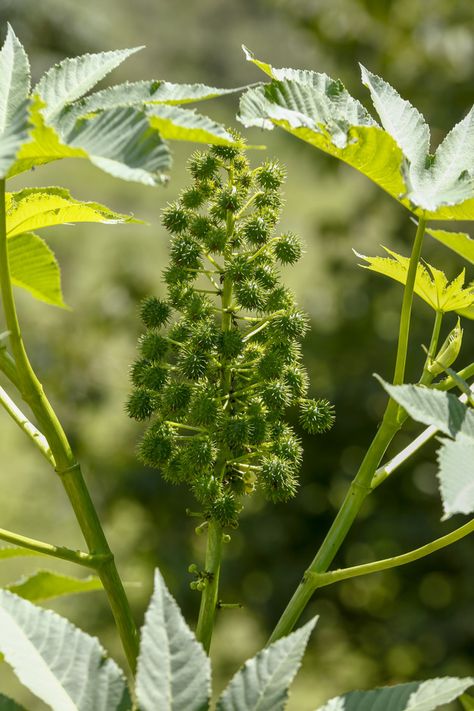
{"x":220,"y":359}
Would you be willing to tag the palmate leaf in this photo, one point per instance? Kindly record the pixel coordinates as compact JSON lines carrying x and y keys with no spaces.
{"x":439,"y":187}
{"x":414,"y":696}
{"x":46,"y":585}
{"x":72,"y":78}
{"x":148,"y":92}
{"x":456,"y":476}
{"x":57,"y":662}
{"x":34,"y":267}
{"x":455,"y":456}
{"x":431,"y":284}
{"x":459,"y":242}
{"x":262,"y":684}
{"x":34,"y":208}
{"x":173,"y":672}
{"x":14,"y":90}
{"x":8,"y":553}
{"x":178,"y":124}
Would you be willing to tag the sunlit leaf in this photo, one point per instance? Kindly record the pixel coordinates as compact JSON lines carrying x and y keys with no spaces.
{"x":7,"y":553}
{"x":72,"y":78}
{"x":414,"y":696}
{"x":173,"y":671}
{"x":178,"y":124}
{"x":399,"y":118}
{"x":14,"y":90}
{"x":33,"y":267}
{"x":456,"y":476}
{"x":431,"y":284}
{"x":459,"y":242}
{"x":263,"y":682}
{"x":45,"y":585}
{"x":42,"y":648}
{"x":34,"y":208}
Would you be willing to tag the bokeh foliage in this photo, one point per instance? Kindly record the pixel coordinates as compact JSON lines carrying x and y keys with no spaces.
{"x":411,"y":623}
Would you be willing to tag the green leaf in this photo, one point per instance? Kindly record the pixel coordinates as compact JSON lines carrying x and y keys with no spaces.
{"x":148,"y":92}
{"x":431,"y":284}
{"x":121,"y":142}
{"x":7,"y":704}
{"x":43,"y":648}
{"x":14,"y":89}
{"x":262,"y":684}
{"x":45,"y":585}
{"x":459,"y":242}
{"x":456,"y":476}
{"x":434,"y":407}
{"x":318,"y":110}
{"x":178,"y":124}
{"x":33,"y":267}
{"x":399,"y":118}
{"x":72,"y":78}
{"x":7,"y":553}
{"x":15,"y":79}
{"x":173,"y":670}
{"x":450,"y":176}
{"x":467,"y":702}
{"x":414,"y":696}
{"x":35,"y":208}
{"x":366,"y":147}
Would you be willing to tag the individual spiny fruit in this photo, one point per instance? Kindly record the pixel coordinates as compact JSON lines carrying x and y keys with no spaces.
{"x":220,"y":359}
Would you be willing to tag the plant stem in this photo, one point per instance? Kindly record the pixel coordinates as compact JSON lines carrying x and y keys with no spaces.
{"x":361,"y":485}
{"x":322,"y":579}
{"x":426,"y":375}
{"x":66,"y":466}
{"x":38,"y":439}
{"x":210,"y":593}
{"x":32,"y":544}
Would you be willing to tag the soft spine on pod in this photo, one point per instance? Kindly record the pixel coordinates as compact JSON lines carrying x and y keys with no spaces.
{"x":220,"y":360}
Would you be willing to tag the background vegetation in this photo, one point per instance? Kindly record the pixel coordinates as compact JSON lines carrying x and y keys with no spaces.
{"x":410,"y":623}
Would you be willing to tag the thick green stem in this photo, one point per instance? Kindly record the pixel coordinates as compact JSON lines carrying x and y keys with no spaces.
{"x":322,"y":579}
{"x":209,"y":599}
{"x":361,"y":485}
{"x":66,"y":466}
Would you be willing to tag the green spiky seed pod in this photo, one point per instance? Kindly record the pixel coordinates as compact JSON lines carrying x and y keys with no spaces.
{"x":218,"y":381}
{"x":316,"y":416}
{"x":154,"y":313}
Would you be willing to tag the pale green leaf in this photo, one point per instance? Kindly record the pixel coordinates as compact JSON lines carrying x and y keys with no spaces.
{"x":7,"y":704}
{"x":467,"y":702}
{"x":178,"y":124}
{"x":7,"y":553}
{"x":45,"y":585}
{"x":44,"y":144}
{"x":459,"y":242}
{"x":35,"y":208}
{"x":33,"y":267}
{"x":318,"y":110}
{"x":14,"y":78}
{"x":262,"y":683}
{"x":72,"y":78}
{"x":414,"y":696}
{"x":456,"y":476}
{"x":121,"y":142}
{"x":399,"y":118}
{"x":367,"y":147}
{"x":431,"y":284}
{"x":434,"y":407}
{"x":173,"y":670}
{"x":56,"y":661}
{"x":148,"y":92}
{"x":14,"y":89}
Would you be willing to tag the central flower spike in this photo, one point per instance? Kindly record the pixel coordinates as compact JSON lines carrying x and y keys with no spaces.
{"x":220,"y":360}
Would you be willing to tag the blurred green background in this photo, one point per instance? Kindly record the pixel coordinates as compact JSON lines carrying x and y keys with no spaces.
{"x":404,"y":624}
